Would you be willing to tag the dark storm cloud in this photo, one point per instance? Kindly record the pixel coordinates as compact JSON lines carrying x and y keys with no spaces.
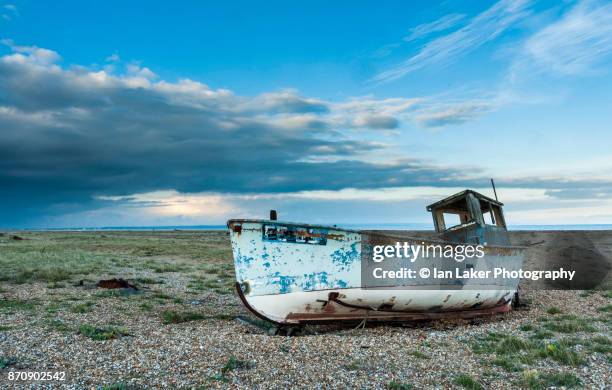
{"x":378,"y":122}
{"x":70,"y":135}
{"x":284,"y":102}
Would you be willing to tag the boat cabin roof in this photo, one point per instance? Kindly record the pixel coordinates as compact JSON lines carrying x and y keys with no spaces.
{"x":457,"y":201}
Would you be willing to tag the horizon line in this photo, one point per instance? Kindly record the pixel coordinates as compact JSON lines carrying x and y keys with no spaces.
{"x":413,"y":225}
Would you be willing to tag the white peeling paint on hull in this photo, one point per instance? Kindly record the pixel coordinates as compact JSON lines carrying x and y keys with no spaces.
{"x":292,"y":273}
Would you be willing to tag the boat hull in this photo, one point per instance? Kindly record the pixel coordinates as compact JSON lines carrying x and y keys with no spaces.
{"x":294,"y":273}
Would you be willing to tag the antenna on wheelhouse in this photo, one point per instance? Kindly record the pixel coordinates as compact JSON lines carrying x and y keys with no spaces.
{"x":494,"y":191}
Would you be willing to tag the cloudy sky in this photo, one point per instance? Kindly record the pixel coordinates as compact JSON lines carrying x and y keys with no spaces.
{"x":176,"y":113}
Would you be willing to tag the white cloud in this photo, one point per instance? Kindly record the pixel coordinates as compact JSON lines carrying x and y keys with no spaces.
{"x":10,"y":11}
{"x":444,"y":23}
{"x":481,"y":29}
{"x":563,"y":213}
{"x":113,"y":58}
{"x":394,"y":194}
{"x":576,"y":43}
{"x":285,"y":107}
{"x":386,"y":194}
{"x":170,"y":203}
{"x":170,"y":207}
{"x":452,"y":114}
{"x":11,"y":115}
{"x":279,"y":108}
{"x":523,"y":205}
{"x":138,"y":71}
{"x":31,"y":54}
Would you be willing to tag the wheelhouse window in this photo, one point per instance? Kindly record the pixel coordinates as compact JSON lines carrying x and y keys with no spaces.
{"x":493,"y":215}
{"x":452,"y":220}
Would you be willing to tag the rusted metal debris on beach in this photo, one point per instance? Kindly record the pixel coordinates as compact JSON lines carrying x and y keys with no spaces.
{"x":115,"y":283}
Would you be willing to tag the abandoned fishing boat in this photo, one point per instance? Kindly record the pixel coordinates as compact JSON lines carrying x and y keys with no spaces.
{"x":294,"y":273}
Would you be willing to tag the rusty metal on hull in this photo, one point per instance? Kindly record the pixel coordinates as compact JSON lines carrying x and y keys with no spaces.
{"x":390,"y":316}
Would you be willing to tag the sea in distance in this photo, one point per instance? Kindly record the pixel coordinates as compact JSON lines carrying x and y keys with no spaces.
{"x":369,"y":226}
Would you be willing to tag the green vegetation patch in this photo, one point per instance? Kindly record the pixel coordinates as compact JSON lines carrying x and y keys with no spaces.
{"x":161,"y":297}
{"x":499,"y":343}
{"x":397,"y":385}
{"x":101,"y":333}
{"x":82,"y":307}
{"x":467,"y":382}
{"x":55,"y":257}
{"x":146,"y":281}
{"x":605,"y":309}
{"x":119,"y":386}
{"x":176,"y":317}
{"x":542,"y":334}
{"x":220,"y":285}
{"x":355,"y":365}
{"x":511,"y":350}
{"x":419,"y":355}
{"x":601,"y":344}
{"x":532,"y":379}
{"x":526,"y":327}
{"x":562,"y":353}
{"x":6,"y":362}
{"x":58,"y":325}
{"x":507,"y":363}
{"x":570,"y":324}
{"x":161,"y":268}
{"x":13,"y":305}
{"x":232,"y":364}
{"x":118,"y":293}
{"x":553,"y":310}
{"x":601,"y":340}
{"x":46,"y":260}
